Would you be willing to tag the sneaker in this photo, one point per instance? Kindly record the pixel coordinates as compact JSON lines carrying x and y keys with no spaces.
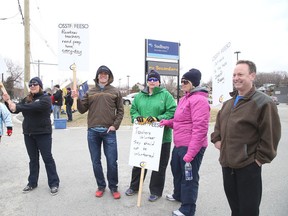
{"x":54,"y":191}
{"x":153,"y":198}
{"x":99,"y":192}
{"x":116,"y":194}
{"x":177,"y":213}
{"x":170,"y":197}
{"x":130,"y":192}
{"x":27,"y":189}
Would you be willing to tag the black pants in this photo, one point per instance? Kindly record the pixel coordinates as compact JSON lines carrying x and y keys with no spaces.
{"x":41,"y":143}
{"x":243,"y":189}
{"x":69,"y":112}
{"x":157,"y":180}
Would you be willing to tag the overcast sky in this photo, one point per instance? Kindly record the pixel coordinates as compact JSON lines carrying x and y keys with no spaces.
{"x":118,"y":29}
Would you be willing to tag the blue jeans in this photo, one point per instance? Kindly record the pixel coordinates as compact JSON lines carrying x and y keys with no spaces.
{"x":56,"y":111}
{"x":42,"y":143}
{"x":95,"y":138}
{"x":186,"y":191}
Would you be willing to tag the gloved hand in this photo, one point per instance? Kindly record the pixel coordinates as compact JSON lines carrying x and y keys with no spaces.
{"x":140,"y":119}
{"x":151,"y":119}
{"x":9,"y":131}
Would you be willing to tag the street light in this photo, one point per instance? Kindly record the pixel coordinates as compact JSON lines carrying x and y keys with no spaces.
{"x":128,"y":82}
{"x":119,"y":83}
{"x":237,"y":53}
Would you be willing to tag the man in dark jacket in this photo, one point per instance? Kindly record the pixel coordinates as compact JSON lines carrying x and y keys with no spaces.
{"x":247,"y":133}
{"x":58,"y":101}
{"x":105,"y":106}
{"x":68,"y":103}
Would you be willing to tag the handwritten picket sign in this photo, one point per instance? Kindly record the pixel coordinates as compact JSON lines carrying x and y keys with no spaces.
{"x":146,"y":143}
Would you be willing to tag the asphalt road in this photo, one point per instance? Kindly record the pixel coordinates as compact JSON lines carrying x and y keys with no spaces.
{"x":77,"y":186}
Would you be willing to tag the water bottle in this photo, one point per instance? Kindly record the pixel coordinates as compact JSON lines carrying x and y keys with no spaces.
{"x":188,"y":172}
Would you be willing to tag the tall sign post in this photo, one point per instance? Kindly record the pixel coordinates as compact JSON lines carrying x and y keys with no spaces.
{"x":162,"y":56}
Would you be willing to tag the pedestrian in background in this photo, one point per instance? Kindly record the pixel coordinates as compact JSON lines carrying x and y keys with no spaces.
{"x":154,"y":103}
{"x":57,"y":101}
{"x":247,"y":133}
{"x":37,"y":130}
{"x":69,"y":104}
{"x":190,"y":127}
{"x":6,"y":119}
{"x":105,"y":113}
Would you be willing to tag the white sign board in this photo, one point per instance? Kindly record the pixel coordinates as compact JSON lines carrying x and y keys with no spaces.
{"x":222,"y":83}
{"x":73,"y":46}
{"x":146,"y":144}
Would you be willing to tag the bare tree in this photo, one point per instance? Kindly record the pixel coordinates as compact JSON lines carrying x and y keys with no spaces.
{"x":170,"y":83}
{"x":15,"y":78}
{"x":208,"y":85}
{"x":278,"y":78}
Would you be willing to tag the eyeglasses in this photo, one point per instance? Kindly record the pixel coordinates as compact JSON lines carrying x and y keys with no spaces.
{"x":153,"y":79}
{"x":33,"y":84}
{"x":185,"y":82}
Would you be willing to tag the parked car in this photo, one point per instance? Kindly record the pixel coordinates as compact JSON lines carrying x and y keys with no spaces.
{"x":275,"y":99}
{"x":127,"y":100}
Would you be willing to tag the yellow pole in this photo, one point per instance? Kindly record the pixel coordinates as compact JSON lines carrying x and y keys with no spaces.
{"x":141,"y":185}
{"x":73,"y":67}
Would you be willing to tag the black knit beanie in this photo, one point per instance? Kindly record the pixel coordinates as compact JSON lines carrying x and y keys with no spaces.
{"x":36,"y":79}
{"x":194,"y":76}
{"x":155,"y":74}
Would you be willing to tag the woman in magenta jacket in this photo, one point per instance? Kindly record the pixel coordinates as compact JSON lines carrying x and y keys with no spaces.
{"x":190,"y":128}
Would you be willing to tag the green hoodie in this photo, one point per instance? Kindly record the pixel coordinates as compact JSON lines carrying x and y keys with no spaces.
{"x":160,"y":104}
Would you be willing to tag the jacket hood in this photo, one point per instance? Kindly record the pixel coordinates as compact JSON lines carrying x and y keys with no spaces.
{"x":105,"y":69}
{"x":199,"y":89}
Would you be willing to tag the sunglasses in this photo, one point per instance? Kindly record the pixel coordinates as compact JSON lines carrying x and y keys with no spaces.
{"x":33,"y":84}
{"x":185,"y":82}
{"x":153,"y":79}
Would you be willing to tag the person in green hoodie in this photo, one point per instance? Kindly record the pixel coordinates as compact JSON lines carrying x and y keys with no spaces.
{"x":154,"y":103}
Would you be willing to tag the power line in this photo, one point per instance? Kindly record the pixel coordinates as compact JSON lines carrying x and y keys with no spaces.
{"x":6,"y":18}
{"x":36,"y":29}
{"x":20,"y":10}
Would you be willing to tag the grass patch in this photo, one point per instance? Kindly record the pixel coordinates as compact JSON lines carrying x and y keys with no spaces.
{"x":80,"y":120}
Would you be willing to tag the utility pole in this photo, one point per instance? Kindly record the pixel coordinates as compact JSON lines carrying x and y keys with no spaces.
{"x":39,"y":62}
{"x":27,"y":46}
